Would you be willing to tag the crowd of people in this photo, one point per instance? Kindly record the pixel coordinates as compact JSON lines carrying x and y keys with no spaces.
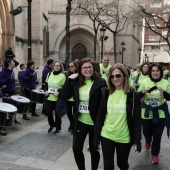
{"x":111,"y":104}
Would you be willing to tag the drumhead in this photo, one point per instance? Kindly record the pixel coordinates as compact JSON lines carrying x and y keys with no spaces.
{"x":7,"y":108}
{"x":38,"y":91}
{"x":20,"y":99}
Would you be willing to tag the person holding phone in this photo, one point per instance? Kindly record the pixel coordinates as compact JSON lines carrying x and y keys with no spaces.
{"x":118,"y":122}
{"x":86,"y":87}
{"x":155,"y":114}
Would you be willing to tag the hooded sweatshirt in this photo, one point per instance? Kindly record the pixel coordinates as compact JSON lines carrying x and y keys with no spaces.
{"x":7,"y":77}
{"x":46,"y":70}
{"x":28,"y":77}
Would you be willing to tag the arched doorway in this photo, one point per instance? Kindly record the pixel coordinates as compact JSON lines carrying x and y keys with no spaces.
{"x":79,"y":51}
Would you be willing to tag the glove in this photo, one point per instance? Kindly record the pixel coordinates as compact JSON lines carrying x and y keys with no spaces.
{"x":138,"y":147}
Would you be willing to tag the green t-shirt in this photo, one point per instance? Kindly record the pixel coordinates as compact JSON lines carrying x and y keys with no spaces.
{"x":84,"y":94}
{"x":55,"y":82}
{"x":141,"y":78}
{"x":115,"y":126}
{"x":155,"y":98}
{"x":104,"y":75}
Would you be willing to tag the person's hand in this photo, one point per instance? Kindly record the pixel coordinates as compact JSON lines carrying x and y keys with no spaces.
{"x":56,"y":93}
{"x":146,"y":90}
{"x":73,"y":76}
{"x":138,"y":147}
{"x":46,"y":93}
{"x":160,"y":89}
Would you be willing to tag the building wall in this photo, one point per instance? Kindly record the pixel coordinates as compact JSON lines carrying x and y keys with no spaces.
{"x":51,"y":16}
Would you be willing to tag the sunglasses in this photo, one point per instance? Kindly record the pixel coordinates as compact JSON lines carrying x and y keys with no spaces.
{"x":71,"y":66}
{"x":116,"y":75}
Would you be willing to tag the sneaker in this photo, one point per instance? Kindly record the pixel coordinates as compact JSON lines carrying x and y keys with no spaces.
{"x":56,"y":131}
{"x":70,"y":128}
{"x":3,"y":133}
{"x":147,"y":146}
{"x":50,"y":129}
{"x":155,"y":159}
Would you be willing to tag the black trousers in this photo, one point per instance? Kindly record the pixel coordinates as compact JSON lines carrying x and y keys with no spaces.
{"x":153,"y":133}
{"x":122,"y":150}
{"x":78,"y":143}
{"x":27,"y":93}
{"x":70,"y":111}
{"x":50,"y":106}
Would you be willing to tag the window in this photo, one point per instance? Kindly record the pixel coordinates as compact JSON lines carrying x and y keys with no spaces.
{"x":154,"y":27}
{"x":155,"y":48}
{"x":166,"y":2}
{"x":154,"y":38}
{"x":155,"y":5}
{"x":164,"y":33}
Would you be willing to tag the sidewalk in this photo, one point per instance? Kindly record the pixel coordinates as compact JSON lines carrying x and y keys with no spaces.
{"x":30,"y":147}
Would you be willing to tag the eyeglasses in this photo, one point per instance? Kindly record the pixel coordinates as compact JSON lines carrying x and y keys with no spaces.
{"x":71,"y":66}
{"x":86,"y":68}
{"x":57,"y":65}
{"x":118,"y":76}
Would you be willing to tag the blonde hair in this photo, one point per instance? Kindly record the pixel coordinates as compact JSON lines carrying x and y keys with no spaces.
{"x":126,"y":84}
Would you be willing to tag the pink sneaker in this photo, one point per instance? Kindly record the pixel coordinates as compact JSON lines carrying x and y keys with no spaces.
{"x":147,"y":146}
{"x":155,"y":159}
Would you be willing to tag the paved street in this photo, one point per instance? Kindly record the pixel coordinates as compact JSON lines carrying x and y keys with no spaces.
{"x":30,"y":147}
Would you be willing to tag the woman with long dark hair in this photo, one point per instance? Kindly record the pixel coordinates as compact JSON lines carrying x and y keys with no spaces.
{"x":87,"y":92}
{"x":155,"y":90}
{"x":70,"y":103}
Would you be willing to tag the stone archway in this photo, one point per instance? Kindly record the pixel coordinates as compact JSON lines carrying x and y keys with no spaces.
{"x":79,"y":51}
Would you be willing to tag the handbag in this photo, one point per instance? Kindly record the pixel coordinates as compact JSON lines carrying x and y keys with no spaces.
{"x":60,"y":107}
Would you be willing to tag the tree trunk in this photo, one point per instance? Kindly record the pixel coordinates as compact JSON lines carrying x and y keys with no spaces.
{"x":114,"y":47}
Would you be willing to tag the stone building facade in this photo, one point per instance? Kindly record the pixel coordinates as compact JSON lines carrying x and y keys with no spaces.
{"x":49,"y":36}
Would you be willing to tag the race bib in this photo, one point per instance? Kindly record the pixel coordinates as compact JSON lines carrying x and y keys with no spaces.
{"x":154,"y":102}
{"x":84,"y":107}
{"x":52,"y":90}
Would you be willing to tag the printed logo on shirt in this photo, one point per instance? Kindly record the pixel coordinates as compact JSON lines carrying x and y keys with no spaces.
{"x":117,"y":108}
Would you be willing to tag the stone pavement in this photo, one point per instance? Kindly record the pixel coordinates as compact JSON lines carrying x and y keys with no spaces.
{"x":30,"y":147}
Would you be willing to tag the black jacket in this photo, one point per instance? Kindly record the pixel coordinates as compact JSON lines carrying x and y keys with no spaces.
{"x":133,"y":117}
{"x":71,"y":88}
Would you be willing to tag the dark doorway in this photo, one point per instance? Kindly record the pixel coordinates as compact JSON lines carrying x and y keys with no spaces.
{"x":79,"y":51}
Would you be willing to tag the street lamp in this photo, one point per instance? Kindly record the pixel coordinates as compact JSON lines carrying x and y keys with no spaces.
{"x":146,"y":58}
{"x":19,"y":10}
{"x":102,"y":38}
{"x":139,"y":50}
{"x":123,"y":49}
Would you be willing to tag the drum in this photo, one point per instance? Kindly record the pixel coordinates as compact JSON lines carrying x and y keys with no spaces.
{"x":21,"y":103}
{"x":38,"y":96}
{"x":7,"y":114}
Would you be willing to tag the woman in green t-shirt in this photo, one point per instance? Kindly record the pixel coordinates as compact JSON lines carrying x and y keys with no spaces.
{"x":53,"y":85}
{"x":118,"y":124}
{"x":155,"y":114}
{"x":85,"y":86}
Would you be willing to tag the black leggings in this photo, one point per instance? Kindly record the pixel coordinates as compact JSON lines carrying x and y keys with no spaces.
{"x":153,"y":133}
{"x":78,"y":143}
{"x":50,"y":106}
{"x":70,"y":111}
{"x":122,"y":150}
